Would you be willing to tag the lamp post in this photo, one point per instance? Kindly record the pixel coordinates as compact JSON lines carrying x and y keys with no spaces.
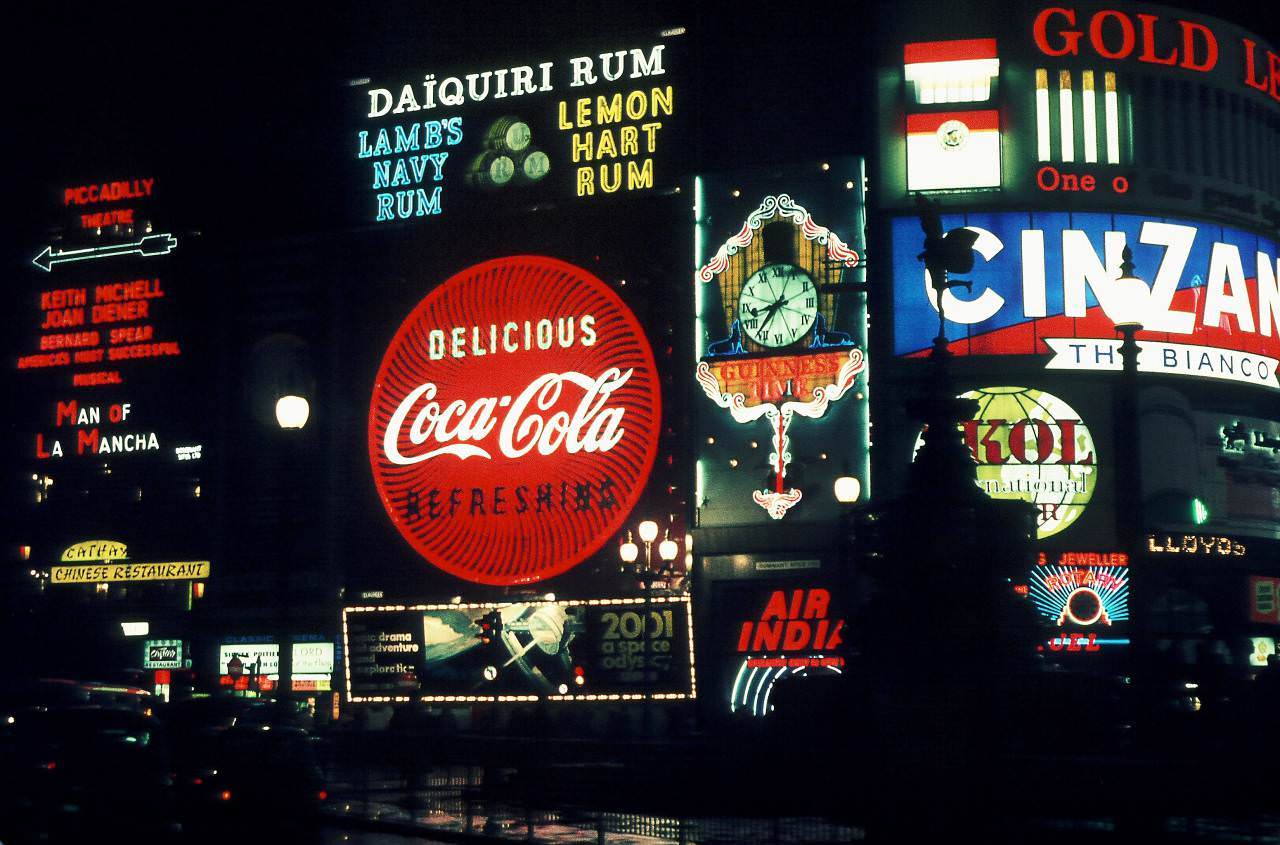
{"x":292,"y":413}
{"x":1126,"y":309}
{"x":629,"y":552}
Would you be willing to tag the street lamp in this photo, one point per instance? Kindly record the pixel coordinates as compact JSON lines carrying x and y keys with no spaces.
{"x":292,"y":412}
{"x":1127,"y":309}
{"x":847,"y":489}
{"x":668,"y":551}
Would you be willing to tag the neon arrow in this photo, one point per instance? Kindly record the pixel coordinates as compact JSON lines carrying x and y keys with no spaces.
{"x":161,"y":244}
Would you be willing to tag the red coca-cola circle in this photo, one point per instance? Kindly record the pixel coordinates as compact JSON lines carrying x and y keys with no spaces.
{"x":524,"y":408}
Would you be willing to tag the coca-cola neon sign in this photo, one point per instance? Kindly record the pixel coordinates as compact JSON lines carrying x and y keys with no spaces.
{"x":514,"y":421}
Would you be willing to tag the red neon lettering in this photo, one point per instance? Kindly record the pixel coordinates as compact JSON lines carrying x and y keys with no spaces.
{"x":115,"y":413}
{"x":65,"y":411}
{"x":744,"y":638}
{"x":1274,"y":62}
{"x":1070,"y":39}
{"x":1189,"y":30}
{"x":87,"y":439}
{"x":768,"y":636}
{"x":1249,"y":64}
{"x":1120,"y":185}
{"x":1126,"y":34}
{"x":776,"y":608}
{"x":1149,"y":43}
{"x":816,"y":605}
{"x":797,"y":635}
{"x":40,"y":452}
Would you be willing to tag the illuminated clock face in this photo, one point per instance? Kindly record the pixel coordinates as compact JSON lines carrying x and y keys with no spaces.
{"x":778,"y":305}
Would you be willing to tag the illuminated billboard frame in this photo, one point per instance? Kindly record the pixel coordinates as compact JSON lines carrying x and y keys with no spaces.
{"x":1044,"y":278}
{"x":654,"y":601}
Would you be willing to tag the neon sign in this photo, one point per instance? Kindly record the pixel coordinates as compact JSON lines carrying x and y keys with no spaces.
{"x":776,"y":307}
{"x":1195,"y":544}
{"x":1081,"y":594}
{"x":502,"y":131}
{"x":147,"y":246}
{"x":79,"y":327}
{"x":1264,"y":599}
{"x":514,"y":420}
{"x":1042,"y":280}
{"x":1116,"y":36}
{"x":796,"y":623}
{"x":90,"y":437}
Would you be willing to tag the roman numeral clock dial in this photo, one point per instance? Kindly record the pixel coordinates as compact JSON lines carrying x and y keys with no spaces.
{"x":778,"y":305}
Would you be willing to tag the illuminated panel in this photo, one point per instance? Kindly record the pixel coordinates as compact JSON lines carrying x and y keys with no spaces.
{"x":953,"y":150}
{"x":1044,"y":138}
{"x":951,"y":71}
{"x":1084,"y":598}
{"x":1112,"y":107}
{"x":580,"y":650}
{"x":1031,"y":446}
{"x":556,"y":411}
{"x":1066,"y":119}
{"x":1041,"y":282}
{"x":1264,"y":599}
{"x":1089,"y":117}
{"x":1195,"y":545}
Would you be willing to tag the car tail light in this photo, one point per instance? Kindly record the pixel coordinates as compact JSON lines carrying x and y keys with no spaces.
{"x":323,"y":795}
{"x":225,"y":795}
{"x":48,"y":765}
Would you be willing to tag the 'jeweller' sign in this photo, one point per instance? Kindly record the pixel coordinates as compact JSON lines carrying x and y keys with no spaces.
{"x":515,"y":420}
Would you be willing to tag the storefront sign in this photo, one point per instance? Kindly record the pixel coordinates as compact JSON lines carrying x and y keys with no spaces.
{"x":1042,"y":279}
{"x":186,"y":570}
{"x":162,"y":654}
{"x":1264,"y":599}
{"x":591,"y":650}
{"x":88,"y":550}
{"x":515,"y":420}
{"x":1195,"y":545}
{"x":774,"y":631}
{"x":1083,"y":598}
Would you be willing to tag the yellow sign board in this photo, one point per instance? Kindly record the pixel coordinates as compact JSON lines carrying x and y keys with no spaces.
{"x":95,"y":550}
{"x":103,"y":572}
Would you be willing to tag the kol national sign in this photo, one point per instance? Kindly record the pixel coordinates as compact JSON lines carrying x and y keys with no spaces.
{"x":514,"y":420}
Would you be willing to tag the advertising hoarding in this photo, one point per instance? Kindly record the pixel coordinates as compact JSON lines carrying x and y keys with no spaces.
{"x":585,"y":650}
{"x":514,"y":420}
{"x":1043,"y":279}
{"x":781,"y":378}
{"x":579,"y":123}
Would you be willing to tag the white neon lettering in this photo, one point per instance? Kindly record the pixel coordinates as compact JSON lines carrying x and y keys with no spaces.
{"x":1177,"y":241}
{"x":1225,"y":267}
{"x":590,"y":427}
{"x":1268,"y":294}
{"x":1081,"y":266}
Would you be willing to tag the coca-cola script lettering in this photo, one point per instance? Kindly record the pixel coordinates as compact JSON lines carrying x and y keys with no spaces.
{"x":514,"y":468}
{"x":590,"y":428}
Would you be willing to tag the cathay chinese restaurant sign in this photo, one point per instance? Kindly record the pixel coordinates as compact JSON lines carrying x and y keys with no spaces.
{"x":514,"y":420}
